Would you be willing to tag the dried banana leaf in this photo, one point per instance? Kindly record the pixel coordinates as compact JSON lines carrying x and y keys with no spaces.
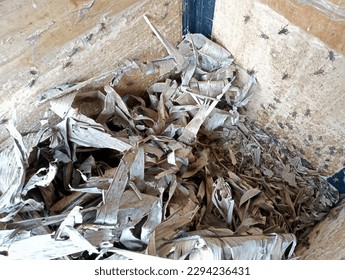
{"x":264,"y":247}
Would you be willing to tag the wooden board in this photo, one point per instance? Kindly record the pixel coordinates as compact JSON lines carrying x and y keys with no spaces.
{"x":47,"y":44}
{"x":325,"y":24}
{"x":326,"y":241}
{"x":301,"y":97}
{"x":304,"y":110}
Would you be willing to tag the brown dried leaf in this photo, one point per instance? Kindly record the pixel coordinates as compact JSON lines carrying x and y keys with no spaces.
{"x":249,"y":194}
{"x":108,"y":211}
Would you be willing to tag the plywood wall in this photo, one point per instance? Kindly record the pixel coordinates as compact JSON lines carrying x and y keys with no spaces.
{"x":325,"y":22}
{"x":47,"y":43}
{"x":302,"y":99}
{"x":326,"y":241}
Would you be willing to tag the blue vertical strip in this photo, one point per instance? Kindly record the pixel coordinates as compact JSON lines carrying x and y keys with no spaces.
{"x":198,"y":17}
{"x":338,"y":180}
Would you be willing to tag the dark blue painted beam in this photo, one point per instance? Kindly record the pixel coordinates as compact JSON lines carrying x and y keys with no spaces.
{"x":198,"y":16}
{"x":338,"y":180}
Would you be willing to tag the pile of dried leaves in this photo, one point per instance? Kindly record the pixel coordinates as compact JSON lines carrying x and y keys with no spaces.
{"x":178,"y":173}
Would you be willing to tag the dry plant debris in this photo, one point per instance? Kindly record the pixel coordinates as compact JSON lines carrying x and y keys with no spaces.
{"x":179,"y":173}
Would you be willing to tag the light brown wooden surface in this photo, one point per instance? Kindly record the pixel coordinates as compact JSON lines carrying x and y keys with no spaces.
{"x":326,"y":241}
{"x":55,"y":42}
{"x":327,"y":25}
{"x":304,"y":109}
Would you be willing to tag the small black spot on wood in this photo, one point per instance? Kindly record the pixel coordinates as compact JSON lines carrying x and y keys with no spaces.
{"x":331,"y":150}
{"x":272,"y":106}
{"x":33,"y":72}
{"x":284,"y":30}
{"x":320,"y":71}
{"x":251,"y":71}
{"x":246,"y":19}
{"x":276,"y":100}
{"x":294,"y":114}
{"x":31,"y":83}
{"x":289,"y":126}
{"x":88,"y":37}
{"x":264,"y":36}
{"x":67,"y":64}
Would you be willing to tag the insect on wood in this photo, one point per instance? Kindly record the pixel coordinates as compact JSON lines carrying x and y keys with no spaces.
{"x":32,"y":82}
{"x":67,"y":64}
{"x":307,"y":113}
{"x":284,"y":30}
{"x":74,"y":51}
{"x":88,"y":37}
{"x":246,"y":19}
{"x":34,"y":74}
{"x":251,"y":71}
{"x":264,"y":36}
{"x":285,"y":76}
{"x":331,"y":56}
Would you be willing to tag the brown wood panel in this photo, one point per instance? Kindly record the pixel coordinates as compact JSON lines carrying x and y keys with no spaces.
{"x":304,"y":110}
{"x":319,"y":24}
{"x":47,"y":43}
{"x":326,"y":241}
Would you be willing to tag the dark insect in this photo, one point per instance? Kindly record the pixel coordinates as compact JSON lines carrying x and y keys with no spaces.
{"x":277,"y":100}
{"x":307,"y":113}
{"x":285,"y":76}
{"x":319,"y":71}
{"x":272,"y":106}
{"x":289,"y":126}
{"x":32,"y":82}
{"x":281,"y":125}
{"x":67,"y":64}
{"x":331,"y":150}
{"x":331,"y":56}
{"x":33,"y":72}
{"x":250,"y":72}
{"x":284,"y":30}
{"x":74,"y":51}
{"x":102,"y":27}
{"x":263,"y":35}
{"x":246,"y":19}
{"x":88,"y":37}
{"x":294,"y":114}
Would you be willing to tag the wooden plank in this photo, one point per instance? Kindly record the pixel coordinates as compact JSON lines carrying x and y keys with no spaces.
{"x":300,"y":99}
{"x":47,"y":44}
{"x":324,"y":24}
{"x":304,"y":110}
{"x":326,"y":241}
